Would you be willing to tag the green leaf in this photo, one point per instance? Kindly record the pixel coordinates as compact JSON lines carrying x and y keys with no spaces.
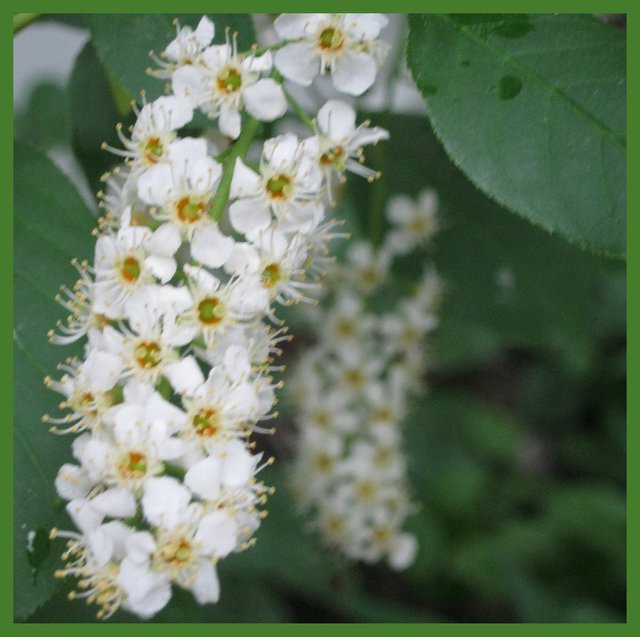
{"x":137,"y":34}
{"x":51,"y":225}
{"x":45,"y":121}
{"x":507,"y":283}
{"x":94,"y":114}
{"x":532,"y":108}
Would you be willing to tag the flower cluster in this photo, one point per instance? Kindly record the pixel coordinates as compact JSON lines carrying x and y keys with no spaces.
{"x":196,"y":249}
{"x":351,"y":392}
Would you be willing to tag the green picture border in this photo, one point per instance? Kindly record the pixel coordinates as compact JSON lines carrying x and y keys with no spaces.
{"x":632,"y":9}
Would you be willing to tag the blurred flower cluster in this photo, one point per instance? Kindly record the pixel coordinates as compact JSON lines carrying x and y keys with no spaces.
{"x":351,"y":391}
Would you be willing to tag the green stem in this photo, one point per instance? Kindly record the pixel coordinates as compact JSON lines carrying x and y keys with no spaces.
{"x":299,"y":111}
{"x":21,"y":20}
{"x":239,"y":149}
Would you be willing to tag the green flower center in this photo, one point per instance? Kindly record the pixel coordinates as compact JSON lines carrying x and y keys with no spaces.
{"x":332,"y":156}
{"x":229,"y":80}
{"x":133,"y":465}
{"x":330,"y":39}
{"x":279,"y":187}
{"x":210,"y":311}
{"x":207,"y":422}
{"x":190,"y":211}
{"x":175,"y":554}
{"x":152,"y":150}
{"x":130,"y":270}
{"x":148,"y":354}
{"x":271,"y":275}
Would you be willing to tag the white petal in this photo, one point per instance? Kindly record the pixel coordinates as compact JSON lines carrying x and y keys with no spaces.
{"x":265,"y":100}
{"x":210,"y":247}
{"x":185,"y":375}
{"x":206,"y":586}
{"x":72,"y":482}
{"x":230,"y":122}
{"x":402,"y":552}
{"x":260,"y":64}
{"x":95,"y":458}
{"x":245,"y":182}
{"x":217,"y":533}
{"x":290,"y":26}
{"x":400,"y":209}
{"x":176,"y":333}
{"x":147,"y":592}
{"x":83,"y":515}
{"x":172,"y":449}
{"x":165,"y":241}
{"x":249,"y":217}
{"x":102,"y":369}
{"x":115,"y":503}
{"x":119,"y":533}
{"x":354,"y":73}
{"x":302,"y":219}
{"x":165,"y":501}
{"x":137,"y":392}
{"x":189,"y":82}
{"x":204,"y":478}
{"x":365,"y":135}
{"x":100,"y":545}
{"x":280,"y":151}
{"x":364,"y":26}
{"x":155,"y":185}
{"x":185,"y":151}
{"x":173,"y":299}
{"x":238,"y":463}
{"x":243,"y":259}
{"x":216,"y":56}
{"x":337,"y":120}
{"x":163,"y":268}
{"x":237,"y":362}
{"x":157,"y":408}
{"x":204,"y":31}
{"x":140,"y":546}
{"x":206,"y":281}
{"x":298,"y":62}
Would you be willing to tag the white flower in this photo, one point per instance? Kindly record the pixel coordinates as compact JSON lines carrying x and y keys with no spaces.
{"x":89,"y":389}
{"x":95,"y":558}
{"x":188,"y":45}
{"x":183,"y":186}
{"x":367,"y":269}
{"x":79,"y":302}
{"x":135,"y":449}
{"x":133,"y":257}
{"x":415,"y":222}
{"x":184,"y":547}
{"x":154,"y":130}
{"x":218,"y":409}
{"x":345,"y":44}
{"x":229,"y":468}
{"x":273,"y":266}
{"x":338,"y":145}
{"x":223,"y":82}
{"x":212,"y":308}
{"x":288,"y":179}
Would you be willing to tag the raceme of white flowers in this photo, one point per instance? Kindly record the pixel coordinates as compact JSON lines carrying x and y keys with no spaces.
{"x":197,"y":246}
{"x":351,"y":392}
